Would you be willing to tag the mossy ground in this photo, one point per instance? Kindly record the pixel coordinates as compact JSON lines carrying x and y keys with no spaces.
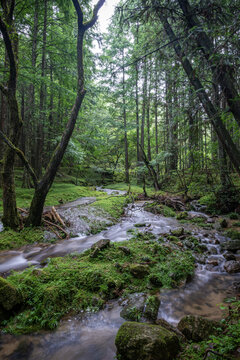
{"x":80,"y":282}
{"x":10,"y":239}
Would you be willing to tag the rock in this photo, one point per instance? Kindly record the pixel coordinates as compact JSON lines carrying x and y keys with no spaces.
{"x":99,"y":246}
{"x":139,"y":271}
{"x":134,"y":306}
{"x":146,"y":342}
{"x":197,"y":328}
{"x":139,"y":307}
{"x":232,"y":266}
{"x":213,"y":262}
{"x":229,"y":256}
{"x":223,"y":223}
{"x":213,"y":251}
{"x":151,"y":308}
{"x":231,"y":245}
{"x":9,"y":295}
{"x":125,"y":249}
{"x":170,"y":327}
{"x":177,"y":232}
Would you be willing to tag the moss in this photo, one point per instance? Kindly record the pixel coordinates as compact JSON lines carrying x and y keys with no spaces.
{"x":112,"y":205}
{"x":10,"y":239}
{"x":9,"y":295}
{"x":80,"y":282}
{"x":157,"y":208}
{"x":233,"y":216}
{"x":182,"y":215}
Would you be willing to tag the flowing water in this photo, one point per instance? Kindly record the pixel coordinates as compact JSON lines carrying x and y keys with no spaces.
{"x":91,"y":336}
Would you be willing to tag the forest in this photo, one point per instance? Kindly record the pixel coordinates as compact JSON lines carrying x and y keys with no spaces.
{"x":120,"y":179}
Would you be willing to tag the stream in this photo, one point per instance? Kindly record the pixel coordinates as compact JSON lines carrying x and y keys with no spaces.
{"x":91,"y":335}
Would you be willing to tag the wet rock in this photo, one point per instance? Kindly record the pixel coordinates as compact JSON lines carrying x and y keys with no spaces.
{"x":139,"y":271}
{"x":9,"y":295}
{"x":201,"y":259}
{"x":151,"y":308}
{"x":99,"y":246}
{"x":133,"y":307}
{"x":197,"y":328}
{"x":140,"y":307}
{"x":229,"y":256}
{"x":177,"y":232}
{"x":236,"y":285}
{"x":145,"y":341}
{"x":170,"y":327}
{"x":231,"y":245}
{"x":213,"y":262}
{"x":223,"y":223}
{"x":232,"y":266}
{"x":125,"y":249}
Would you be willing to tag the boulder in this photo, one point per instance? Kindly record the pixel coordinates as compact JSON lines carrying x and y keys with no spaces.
{"x":99,"y":246}
{"x":223,"y":223}
{"x":9,"y":295}
{"x":232,"y":266}
{"x":197,"y":328}
{"x":146,"y":342}
{"x":139,"y":271}
{"x":231,"y":245}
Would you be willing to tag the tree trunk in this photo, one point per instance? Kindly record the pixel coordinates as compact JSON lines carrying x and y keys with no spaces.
{"x":221,"y":70}
{"x":211,"y":111}
{"x":125,"y":122}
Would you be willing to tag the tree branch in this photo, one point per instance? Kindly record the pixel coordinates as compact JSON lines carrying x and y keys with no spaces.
{"x":78,"y":11}
{"x":22,"y":157}
{"x":94,"y":18}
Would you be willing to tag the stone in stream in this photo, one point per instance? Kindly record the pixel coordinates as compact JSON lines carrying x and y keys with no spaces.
{"x":98,"y":246}
{"x":197,"y":328}
{"x":125,"y":250}
{"x":177,"y":232}
{"x":140,"y":307}
{"x":232,"y":266}
{"x":145,"y":341}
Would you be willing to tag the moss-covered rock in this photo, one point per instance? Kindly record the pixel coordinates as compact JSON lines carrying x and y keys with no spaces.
{"x":197,"y":328}
{"x":9,"y":295}
{"x":232,"y":266}
{"x":151,"y":308}
{"x":145,"y":342}
{"x":139,"y":271}
{"x":231,"y":245}
{"x":182,"y":215}
{"x":178,"y":232}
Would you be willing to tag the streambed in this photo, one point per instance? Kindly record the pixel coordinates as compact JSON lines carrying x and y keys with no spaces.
{"x":91,"y":336}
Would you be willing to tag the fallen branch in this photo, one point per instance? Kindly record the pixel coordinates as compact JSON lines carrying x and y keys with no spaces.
{"x":57,"y":226}
{"x":58,"y":218}
{"x":54,"y":231}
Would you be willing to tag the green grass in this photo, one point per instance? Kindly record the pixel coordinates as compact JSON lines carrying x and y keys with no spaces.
{"x":113,"y":205}
{"x":80,"y":282}
{"x":10,"y":239}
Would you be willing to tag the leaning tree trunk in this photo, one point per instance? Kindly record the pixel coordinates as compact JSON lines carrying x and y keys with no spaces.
{"x":212,"y":112}
{"x":220,"y":69}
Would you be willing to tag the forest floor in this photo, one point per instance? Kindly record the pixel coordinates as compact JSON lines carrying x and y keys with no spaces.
{"x":86,"y":281}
